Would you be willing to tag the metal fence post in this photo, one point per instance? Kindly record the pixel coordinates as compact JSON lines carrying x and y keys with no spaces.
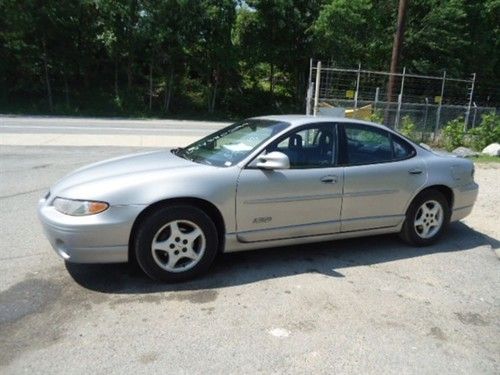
{"x":400,"y":99}
{"x":474,"y":117}
{"x":471,"y":93}
{"x":357,"y":87}
{"x":316,"y":88}
{"x":438,"y":113}
{"x":426,"y":113}
{"x":309,"y":97}
{"x":377,"y":92}
{"x":309,"y":89}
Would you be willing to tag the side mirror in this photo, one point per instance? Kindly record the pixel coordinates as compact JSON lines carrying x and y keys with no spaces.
{"x":273,"y":160}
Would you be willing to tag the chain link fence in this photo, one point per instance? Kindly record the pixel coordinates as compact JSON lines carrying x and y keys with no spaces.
{"x":427,"y":102}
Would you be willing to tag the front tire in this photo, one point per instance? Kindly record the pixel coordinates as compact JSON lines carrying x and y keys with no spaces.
{"x":426,"y":219}
{"x":176,"y":243}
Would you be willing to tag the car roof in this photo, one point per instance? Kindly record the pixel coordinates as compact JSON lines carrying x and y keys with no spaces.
{"x":297,"y":120}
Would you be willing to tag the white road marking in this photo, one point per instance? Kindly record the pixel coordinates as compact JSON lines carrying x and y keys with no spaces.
{"x":95,"y":128}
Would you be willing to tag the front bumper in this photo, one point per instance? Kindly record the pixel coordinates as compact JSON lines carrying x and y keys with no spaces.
{"x":101,"y":238}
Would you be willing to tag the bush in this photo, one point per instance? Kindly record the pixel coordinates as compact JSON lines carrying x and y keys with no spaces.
{"x":408,"y":127}
{"x":377,"y":116}
{"x":454,"y":134}
{"x":487,"y":132}
{"x":477,"y":138}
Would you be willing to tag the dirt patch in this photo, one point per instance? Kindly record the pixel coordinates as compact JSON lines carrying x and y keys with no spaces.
{"x":148,"y":298}
{"x":437,"y":333}
{"x":25,"y":298}
{"x":148,"y":358}
{"x":201,"y":296}
{"x":473,"y":319}
{"x":34,"y":313}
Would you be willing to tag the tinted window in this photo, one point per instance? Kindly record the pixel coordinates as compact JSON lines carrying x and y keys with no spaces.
{"x":366,"y":145}
{"x":311,"y":147}
{"x":402,"y":149}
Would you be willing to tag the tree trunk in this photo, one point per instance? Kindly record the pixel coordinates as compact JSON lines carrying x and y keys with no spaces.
{"x":215,"y":77}
{"x":151,"y":86}
{"x":168,"y":91}
{"x":129,"y":74}
{"x":300,"y":85}
{"x":66,"y":89}
{"x":396,"y":54}
{"x":214,"y":95}
{"x":117,"y":92}
{"x":47,"y":78}
{"x":271,"y":79}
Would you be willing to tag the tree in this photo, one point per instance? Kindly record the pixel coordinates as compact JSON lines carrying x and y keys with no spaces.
{"x":283,"y":29}
{"x":436,"y":37}
{"x":213,"y":52}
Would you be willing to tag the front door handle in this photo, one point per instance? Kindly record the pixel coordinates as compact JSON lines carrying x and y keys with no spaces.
{"x":329,"y":179}
{"x":415,"y":171}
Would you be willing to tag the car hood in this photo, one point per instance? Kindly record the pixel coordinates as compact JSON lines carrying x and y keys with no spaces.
{"x":126,"y":166}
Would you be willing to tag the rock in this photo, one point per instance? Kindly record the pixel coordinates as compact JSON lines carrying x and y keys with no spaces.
{"x":492,"y":149}
{"x":465,"y":152}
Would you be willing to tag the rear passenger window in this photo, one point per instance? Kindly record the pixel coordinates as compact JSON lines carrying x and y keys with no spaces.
{"x":368,"y":145}
{"x":402,"y":150}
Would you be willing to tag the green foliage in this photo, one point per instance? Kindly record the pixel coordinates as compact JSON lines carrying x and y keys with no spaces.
{"x":454,"y":134}
{"x":408,"y":127}
{"x":344,"y":29}
{"x":488,"y":132}
{"x":437,"y":36}
{"x":486,"y":159}
{"x":377,"y":116}
{"x":223,"y":56}
{"x":477,"y":138}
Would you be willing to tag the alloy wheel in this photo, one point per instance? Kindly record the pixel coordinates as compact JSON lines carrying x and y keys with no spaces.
{"x":429,"y":219}
{"x":178,"y":246}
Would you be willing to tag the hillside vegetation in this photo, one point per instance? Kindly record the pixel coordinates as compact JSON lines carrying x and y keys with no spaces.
{"x":223,"y":58}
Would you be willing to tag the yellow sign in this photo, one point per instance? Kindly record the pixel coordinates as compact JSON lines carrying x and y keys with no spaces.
{"x":437,"y":99}
{"x":349,"y":94}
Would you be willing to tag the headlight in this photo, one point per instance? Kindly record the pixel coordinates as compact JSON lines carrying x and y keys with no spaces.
{"x":79,"y":208}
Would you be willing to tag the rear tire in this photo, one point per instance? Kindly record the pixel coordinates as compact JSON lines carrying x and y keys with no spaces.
{"x":426,"y":219}
{"x":176,"y":243}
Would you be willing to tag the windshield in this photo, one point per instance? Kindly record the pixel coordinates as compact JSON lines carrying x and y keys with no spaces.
{"x":232,"y":144}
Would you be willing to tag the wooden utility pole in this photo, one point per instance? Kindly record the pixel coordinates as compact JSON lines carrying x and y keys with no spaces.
{"x":396,"y":52}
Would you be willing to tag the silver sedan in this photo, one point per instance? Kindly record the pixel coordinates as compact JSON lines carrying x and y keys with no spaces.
{"x":262,"y":182}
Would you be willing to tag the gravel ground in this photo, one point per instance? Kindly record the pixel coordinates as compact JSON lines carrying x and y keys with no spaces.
{"x":370,"y":305}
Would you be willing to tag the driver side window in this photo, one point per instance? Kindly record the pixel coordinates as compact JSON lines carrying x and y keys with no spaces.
{"x":311,"y":147}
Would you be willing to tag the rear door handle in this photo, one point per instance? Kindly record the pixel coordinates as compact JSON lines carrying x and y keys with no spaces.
{"x":415,"y":171}
{"x":329,"y":179}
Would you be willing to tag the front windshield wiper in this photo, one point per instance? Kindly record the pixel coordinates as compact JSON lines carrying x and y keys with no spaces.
{"x":200,"y":159}
{"x":179,"y":152}
{"x":195,"y":158}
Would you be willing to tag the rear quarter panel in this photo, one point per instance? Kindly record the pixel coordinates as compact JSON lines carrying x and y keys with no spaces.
{"x":455,"y":173}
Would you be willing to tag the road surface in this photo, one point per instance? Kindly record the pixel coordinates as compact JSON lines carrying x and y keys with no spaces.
{"x":66,"y":131}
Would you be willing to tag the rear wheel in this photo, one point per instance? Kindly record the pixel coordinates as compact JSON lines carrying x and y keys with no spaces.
{"x":176,"y":243}
{"x":426,"y":218}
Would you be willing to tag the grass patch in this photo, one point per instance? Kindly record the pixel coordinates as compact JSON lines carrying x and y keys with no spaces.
{"x":486,"y":159}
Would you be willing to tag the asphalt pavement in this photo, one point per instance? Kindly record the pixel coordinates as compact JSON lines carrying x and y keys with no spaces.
{"x":370,"y":305}
{"x":76,"y":131}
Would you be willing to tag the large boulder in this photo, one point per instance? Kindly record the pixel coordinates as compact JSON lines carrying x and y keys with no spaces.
{"x":465,"y":152}
{"x":492,"y":149}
